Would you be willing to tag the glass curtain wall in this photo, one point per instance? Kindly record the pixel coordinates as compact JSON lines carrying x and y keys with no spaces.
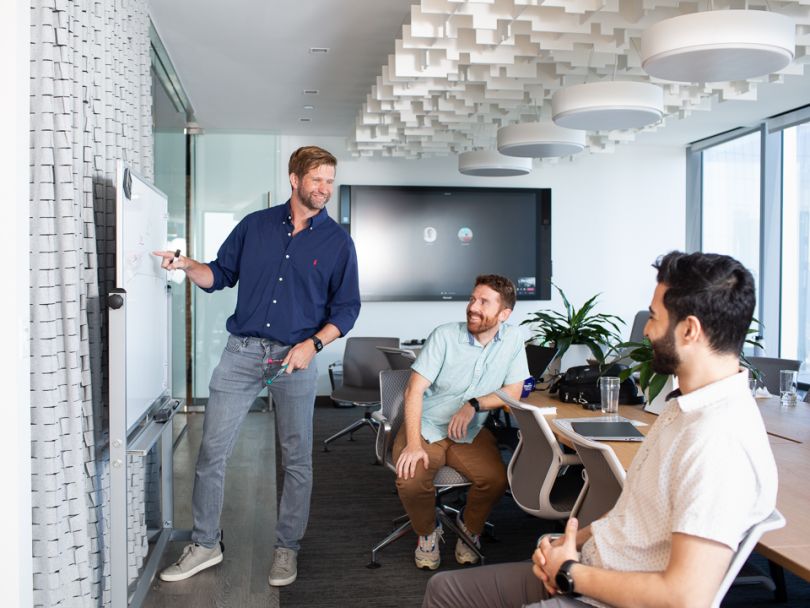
{"x":737,"y":213}
{"x":234,"y":175}
{"x":795,"y":334}
{"x":731,"y":186}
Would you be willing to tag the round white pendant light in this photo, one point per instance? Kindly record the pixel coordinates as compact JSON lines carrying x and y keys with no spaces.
{"x":716,"y":46}
{"x":604,"y":106}
{"x":539,"y":140}
{"x":490,"y":163}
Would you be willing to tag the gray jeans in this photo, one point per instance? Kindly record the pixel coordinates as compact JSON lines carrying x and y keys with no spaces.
{"x":500,"y":586}
{"x":235,"y":384}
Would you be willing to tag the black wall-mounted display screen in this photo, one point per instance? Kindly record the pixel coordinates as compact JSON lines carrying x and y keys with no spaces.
{"x":429,"y":243}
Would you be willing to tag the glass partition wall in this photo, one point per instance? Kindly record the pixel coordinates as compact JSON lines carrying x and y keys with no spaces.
{"x":213,"y":180}
{"x":170,"y":157}
{"x":234,"y":174}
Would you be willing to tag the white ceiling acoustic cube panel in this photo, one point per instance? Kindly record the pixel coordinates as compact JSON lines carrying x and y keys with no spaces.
{"x":462,"y":69}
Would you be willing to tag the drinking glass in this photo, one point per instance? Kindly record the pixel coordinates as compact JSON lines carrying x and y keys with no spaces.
{"x":609,"y":391}
{"x":788,"y":387}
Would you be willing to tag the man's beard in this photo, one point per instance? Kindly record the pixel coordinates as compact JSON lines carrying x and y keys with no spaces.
{"x":309,"y":202}
{"x":665,"y":358}
{"x":478,"y":324}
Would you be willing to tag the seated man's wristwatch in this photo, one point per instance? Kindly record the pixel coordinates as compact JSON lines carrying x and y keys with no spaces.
{"x":474,"y":403}
{"x":563,"y":580}
{"x":318,"y":344}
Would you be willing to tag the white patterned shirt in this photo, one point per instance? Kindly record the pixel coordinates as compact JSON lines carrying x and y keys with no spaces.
{"x":705,"y":469}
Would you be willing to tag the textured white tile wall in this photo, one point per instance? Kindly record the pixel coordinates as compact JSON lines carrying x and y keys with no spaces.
{"x":90,"y":105}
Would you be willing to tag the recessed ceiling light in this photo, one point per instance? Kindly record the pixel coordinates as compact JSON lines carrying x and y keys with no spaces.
{"x":309,"y":107}
{"x":310,"y":91}
{"x":319,"y":49}
{"x":304,"y":119}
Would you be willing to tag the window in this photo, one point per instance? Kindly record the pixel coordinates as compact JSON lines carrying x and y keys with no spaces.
{"x":750,"y":191}
{"x":730,"y":195}
{"x":795,"y":326}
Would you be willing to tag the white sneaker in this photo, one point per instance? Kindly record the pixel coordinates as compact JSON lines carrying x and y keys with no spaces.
{"x":427,"y":553}
{"x":194,"y":559}
{"x":464,"y":553}
{"x":285,"y":567}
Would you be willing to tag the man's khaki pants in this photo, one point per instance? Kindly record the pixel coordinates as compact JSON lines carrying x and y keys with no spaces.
{"x":479,"y":461}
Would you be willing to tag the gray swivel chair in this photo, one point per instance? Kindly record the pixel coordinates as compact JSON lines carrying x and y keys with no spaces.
{"x":545,"y":482}
{"x":769,"y":367}
{"x":398,"y":358}
{"x":447,"y":479}
{"x":773,"y":522}
{"x":640,"y":320}
{"x":604,"y":477}
{"x":362,"y":363}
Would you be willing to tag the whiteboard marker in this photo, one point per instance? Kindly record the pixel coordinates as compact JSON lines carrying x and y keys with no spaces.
{"x":176,"y":256}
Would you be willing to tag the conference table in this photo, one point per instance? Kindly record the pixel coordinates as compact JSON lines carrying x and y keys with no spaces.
{"x":788,"y":431}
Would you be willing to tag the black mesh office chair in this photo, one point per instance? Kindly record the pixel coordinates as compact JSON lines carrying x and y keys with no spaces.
{"x":362,"y":364}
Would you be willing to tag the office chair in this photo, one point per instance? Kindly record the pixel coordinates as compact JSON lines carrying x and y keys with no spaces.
{"x":362,"y":363}
{"x":398,"y":358}
{"x":447,"y":479}
{"x":640,"y":320}
{"x":604,"y":477}
{"x":769,"y":367}
{"x":541,"y":476}
{"x":774,"y":521}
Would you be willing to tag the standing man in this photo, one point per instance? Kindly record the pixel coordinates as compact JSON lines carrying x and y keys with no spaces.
{"x":703,"y":476}
{"x":298,"y":291}
{"x":453,"y":382}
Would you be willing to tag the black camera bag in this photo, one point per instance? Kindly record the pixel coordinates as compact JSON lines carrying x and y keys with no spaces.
{"x":579,"y":384}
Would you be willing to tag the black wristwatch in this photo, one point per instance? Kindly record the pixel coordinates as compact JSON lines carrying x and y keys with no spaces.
{"x":564,"y":581}
{"x":318,"y":344}
{"x":474,"y":403}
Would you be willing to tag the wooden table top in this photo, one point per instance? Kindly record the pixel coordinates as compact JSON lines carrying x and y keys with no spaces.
{"x":790,"y":422}
{"x":625,"y":450}
{"x":789,"y":436}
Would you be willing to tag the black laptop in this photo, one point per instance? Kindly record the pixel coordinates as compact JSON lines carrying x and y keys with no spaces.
{"x":538,"y":358}
{"x":604,"y":430}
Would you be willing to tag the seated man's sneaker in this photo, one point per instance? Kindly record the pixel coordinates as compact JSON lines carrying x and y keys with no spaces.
{"x":194,"y":559}
{"x":464,"y":554}
{"x":285,"y":567}
{"x":427,"y":550}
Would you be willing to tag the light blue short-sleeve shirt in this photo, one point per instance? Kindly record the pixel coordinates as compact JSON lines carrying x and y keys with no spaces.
{"x":459,"y":368}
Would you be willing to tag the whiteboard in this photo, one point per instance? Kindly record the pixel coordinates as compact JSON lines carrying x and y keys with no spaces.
{"x":142,"y":214}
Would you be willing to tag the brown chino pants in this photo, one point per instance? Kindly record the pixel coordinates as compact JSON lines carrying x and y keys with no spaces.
{"x":479,"y":461}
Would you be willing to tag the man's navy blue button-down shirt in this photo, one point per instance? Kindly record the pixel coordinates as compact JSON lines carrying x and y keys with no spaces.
{"x":289,"y":286}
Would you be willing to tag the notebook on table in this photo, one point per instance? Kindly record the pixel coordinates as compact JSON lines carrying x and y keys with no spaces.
{"x":604,"y":430}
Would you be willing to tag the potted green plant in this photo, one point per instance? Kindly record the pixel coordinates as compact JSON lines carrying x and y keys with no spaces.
{"x":652,"y":383}
{"x":576,"y":326}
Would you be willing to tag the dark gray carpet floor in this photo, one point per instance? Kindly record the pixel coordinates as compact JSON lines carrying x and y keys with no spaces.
{"x":353,"y":504}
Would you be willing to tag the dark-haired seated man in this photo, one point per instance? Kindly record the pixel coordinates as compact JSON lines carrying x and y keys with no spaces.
{"x":704,"y":475}
{"x":452,"y":385}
